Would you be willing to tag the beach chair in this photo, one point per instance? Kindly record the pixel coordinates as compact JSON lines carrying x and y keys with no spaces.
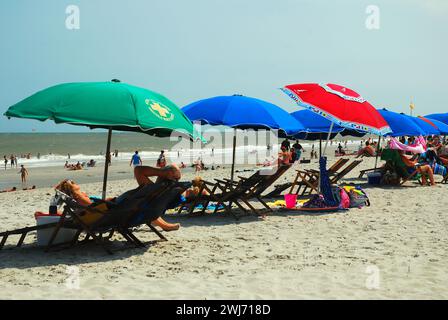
{"x":395,"y":163}
{"x":226,"y":192}
{"x":307,"y":181}
{"x":259,"y":188}
{"x":333,"y":169}
{"x":137,"y":207}
{"x":338,"y":176}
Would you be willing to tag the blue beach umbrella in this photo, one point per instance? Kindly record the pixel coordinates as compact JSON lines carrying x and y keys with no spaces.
{"x":442,"y":127}
{"x":241,"y":112}
{"x":443,"y":117}
{"x":315,"y":125}
{"x":426,"y":127}
{"x":401,"y":124}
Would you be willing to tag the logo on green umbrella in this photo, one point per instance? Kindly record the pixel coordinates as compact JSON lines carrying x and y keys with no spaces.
{"x":160,"y":110}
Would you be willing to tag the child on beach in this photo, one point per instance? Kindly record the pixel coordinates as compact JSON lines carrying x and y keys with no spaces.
{"x":161,"y":161}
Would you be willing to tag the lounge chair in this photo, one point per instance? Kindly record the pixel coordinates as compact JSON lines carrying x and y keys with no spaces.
{"x":137,"y":207}
{"x":225,"y":192}
{"x":395,"y":164}
{"x":338,"y":176}
{"x":309,"y":179}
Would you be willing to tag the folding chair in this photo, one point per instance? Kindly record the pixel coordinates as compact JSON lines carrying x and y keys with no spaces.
{"x":142,"y":205}
{"x":338,"y":176}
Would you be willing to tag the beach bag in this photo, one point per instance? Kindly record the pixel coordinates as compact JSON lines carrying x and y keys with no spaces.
{"x":345,"y":199}
{"x":358,"y":198}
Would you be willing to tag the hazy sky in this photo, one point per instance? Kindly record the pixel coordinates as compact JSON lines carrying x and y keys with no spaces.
{"x":189,"y":50}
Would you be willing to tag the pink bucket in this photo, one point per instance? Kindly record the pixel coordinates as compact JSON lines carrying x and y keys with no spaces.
{"x":290,"y":200}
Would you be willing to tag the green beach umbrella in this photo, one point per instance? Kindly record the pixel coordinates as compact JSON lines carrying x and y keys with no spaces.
{"x":109,"y":105}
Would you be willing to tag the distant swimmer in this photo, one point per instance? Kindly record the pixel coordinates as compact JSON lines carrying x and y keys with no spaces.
{"x":6,"y":161}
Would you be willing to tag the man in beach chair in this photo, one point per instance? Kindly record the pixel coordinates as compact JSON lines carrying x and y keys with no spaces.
{"x":134,"y":208}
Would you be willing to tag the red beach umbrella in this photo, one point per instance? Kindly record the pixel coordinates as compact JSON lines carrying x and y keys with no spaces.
{"x":340,"y":105}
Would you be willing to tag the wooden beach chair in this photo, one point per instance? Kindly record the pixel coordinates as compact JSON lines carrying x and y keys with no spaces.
{"x":333,"y":169}
{"x":338,"y":176}
{"x":307,"y":181}
{"x":109,"y":217}
{"x":226,"y":192}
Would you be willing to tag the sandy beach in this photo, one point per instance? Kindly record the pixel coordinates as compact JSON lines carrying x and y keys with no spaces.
{"x":394,"y":249}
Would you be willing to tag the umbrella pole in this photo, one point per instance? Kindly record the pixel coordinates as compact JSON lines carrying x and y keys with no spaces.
{"x":320,"y":145}
{"x":233,"y":155}
{"x":106,"y":165}
{"x":377,"y":150}
{"x":328,"y":138}
{"x":323,"y":154}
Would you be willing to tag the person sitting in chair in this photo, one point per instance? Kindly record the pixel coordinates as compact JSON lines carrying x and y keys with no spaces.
{"x":73,"y":190}
{"x":367,"y":151}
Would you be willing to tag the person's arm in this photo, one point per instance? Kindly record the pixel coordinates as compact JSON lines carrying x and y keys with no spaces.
{"x":130,"y":163}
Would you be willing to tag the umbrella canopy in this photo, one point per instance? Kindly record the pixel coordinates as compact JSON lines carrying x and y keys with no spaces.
{"x":443,"y":117}
{"x":427,"y":128}
{"x":115,"y":105}
{"x":242,"y":112}
{"x":339,"y":104}
{"x":110,"y":105}
{"x":317,"y":127}
{"x":439,"y":125}
{"x":401,"y":124}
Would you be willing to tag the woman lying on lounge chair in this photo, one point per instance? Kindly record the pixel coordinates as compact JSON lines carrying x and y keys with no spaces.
{"x":73,"y":190}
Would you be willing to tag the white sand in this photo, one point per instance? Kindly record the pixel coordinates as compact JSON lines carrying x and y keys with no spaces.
{"x":402,"y":237}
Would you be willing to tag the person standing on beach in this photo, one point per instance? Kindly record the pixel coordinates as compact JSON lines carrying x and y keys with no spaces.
{"x":136,"y":160}
{"x":23,"y":173}
{"x":68,"y":156}
{"x":6,"y":161}
{"x":161,"y":161}
{"x":298,"y":150}
{"x":11,"y":158}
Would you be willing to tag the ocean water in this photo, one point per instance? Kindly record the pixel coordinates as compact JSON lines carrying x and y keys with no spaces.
{"x":55,"y":147}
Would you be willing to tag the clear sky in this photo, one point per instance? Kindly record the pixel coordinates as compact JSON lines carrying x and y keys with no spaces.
{"x":189,"y":50}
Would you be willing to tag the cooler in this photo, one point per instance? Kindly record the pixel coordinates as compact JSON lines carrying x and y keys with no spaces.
{"x":43,"y":235}
{"x":374,"y":178}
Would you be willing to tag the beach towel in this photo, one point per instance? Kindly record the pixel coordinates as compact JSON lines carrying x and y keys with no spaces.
{"x":418,"y":147}
{"x":325,"y":185}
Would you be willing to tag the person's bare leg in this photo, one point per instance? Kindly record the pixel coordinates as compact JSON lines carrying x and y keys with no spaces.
{"x":159,"y":222}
